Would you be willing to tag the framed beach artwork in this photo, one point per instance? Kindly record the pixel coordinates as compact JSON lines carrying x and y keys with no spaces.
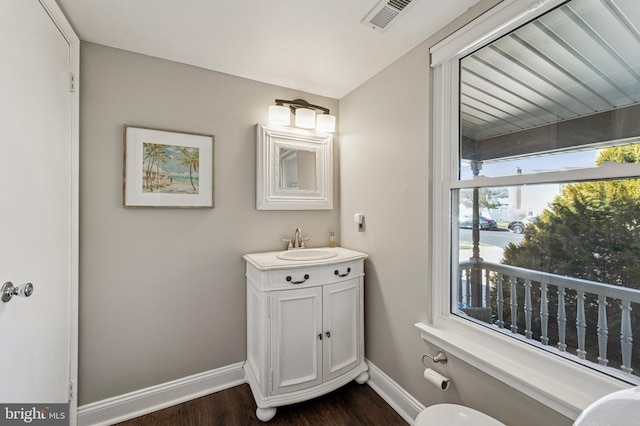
{"x":166,"y":168}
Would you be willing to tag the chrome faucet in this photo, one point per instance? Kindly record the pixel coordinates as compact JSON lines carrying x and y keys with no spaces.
{"x":297,"y":239}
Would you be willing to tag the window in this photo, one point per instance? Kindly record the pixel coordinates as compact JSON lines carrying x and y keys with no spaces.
{"x":535,"y":143}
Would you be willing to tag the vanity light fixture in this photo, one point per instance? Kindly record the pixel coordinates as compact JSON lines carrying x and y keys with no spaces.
{"x":279,"y":114}
{"x":305,"y":118}
{"x":305,"y":114}
{"x":326,"y":123}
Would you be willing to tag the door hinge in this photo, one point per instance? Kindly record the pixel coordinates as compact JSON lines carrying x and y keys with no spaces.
{"x":71,"y":391}
{"x":73,"y":82}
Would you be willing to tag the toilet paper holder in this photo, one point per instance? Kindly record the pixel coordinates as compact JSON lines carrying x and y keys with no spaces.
{"x":440,"y":357}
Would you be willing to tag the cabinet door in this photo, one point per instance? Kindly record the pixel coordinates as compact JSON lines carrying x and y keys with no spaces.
{"x":342,"y":320}
{"x":296,"y":349}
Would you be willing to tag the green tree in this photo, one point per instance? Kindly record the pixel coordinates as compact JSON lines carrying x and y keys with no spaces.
{"x":591,"y":230}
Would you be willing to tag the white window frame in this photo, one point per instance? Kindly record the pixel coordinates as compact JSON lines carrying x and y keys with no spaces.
{"x":562,"y":385}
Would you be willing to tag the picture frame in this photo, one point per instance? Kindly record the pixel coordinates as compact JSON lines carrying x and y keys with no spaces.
{"x":167,"y":168}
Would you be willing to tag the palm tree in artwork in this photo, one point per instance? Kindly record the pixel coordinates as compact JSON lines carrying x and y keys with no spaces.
{"x":150,"y":152}
{"x":191,"y":160}
{"x":153,"y":154}
{"x":160,"y":157}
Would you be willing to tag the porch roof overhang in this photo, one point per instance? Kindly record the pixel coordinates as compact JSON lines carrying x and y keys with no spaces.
{"x":568,"y":80}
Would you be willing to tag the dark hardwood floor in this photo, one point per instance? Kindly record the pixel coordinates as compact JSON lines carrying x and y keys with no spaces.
{"x":352,"y":404}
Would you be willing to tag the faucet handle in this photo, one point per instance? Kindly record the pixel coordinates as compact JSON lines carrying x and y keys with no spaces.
{"x":302,"y":242}
{"x":288,"y":240}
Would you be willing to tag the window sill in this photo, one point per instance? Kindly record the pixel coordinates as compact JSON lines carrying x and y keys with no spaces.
{"x":562,"y":385}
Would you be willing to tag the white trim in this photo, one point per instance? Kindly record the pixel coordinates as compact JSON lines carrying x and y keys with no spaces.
{"x":560,"y":384}
{"x":399,"y":399}
{"x":540,"y":375}
{"x":605,"y":171}
{"x":58,"y":18}
{"x":500,"y":20}
{"x":144,"y":401}
{"x":134,"y":404}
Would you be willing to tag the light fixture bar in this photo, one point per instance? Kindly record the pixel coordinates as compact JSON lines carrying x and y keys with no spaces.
{"x":301,"y":103}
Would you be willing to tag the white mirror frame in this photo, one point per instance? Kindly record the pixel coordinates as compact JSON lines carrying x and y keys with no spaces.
{"x":269,"y":195}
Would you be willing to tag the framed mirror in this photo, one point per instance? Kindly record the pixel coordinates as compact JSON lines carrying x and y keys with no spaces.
{"x":294,"y":169}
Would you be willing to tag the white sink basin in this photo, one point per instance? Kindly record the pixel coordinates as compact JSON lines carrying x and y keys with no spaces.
{"x":306,"y":254}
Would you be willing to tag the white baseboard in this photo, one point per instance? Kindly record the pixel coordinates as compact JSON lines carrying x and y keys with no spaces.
{"x":399,"y":399}
{"x":145,"y":401}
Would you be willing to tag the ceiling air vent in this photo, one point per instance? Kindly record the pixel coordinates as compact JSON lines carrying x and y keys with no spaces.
{"x":385,"y":12}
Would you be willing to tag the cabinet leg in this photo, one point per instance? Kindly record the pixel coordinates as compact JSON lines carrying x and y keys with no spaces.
{"x":362,"y":378}
{"x":265,"y":414}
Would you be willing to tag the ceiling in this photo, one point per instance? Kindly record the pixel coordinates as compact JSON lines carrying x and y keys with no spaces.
{"x":321,"y":47}
{"x":580,"y":60}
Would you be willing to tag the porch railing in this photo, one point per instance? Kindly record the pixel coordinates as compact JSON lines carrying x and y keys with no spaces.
{"x":510,"y":293}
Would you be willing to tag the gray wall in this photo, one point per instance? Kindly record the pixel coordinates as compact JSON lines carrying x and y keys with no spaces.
{"x":384,"y":153}
{"x":162,"y":293}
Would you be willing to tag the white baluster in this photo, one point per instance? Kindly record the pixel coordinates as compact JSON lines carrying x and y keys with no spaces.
{"x":500,"y":298}
{"x":467,"y":299}
{"x":562,"y":321}
{"x":528,"y":310}
{"x":544,"y":313}
{"x":626,"y":337}
{"x":461,"y":284}
{"x":487,"y":288}
{"x":581,"y":325}
{"x":603,"y":330}
{"x":514,"y":306}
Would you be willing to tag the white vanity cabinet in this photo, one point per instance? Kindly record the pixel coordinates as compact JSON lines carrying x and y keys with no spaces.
{"x":305,"y":327}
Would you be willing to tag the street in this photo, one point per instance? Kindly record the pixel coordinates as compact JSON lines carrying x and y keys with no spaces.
{"x":499,"y":238}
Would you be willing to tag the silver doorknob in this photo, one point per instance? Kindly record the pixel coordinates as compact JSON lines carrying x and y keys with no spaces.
{"x":8,"y":290}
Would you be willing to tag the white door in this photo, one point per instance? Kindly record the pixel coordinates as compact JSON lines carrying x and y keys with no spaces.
{"x":296,"y":333}
{"x":341,"y":317}
{"x":39,"y":203}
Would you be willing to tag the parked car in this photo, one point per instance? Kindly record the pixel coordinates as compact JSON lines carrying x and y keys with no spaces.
{"x":485,"y":223}
{"x":517,"y":226}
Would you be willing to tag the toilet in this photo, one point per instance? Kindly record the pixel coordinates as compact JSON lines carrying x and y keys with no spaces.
{"x":453,"y":414}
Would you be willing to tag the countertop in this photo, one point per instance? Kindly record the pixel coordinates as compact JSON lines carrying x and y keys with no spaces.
{"x":267,"y":261}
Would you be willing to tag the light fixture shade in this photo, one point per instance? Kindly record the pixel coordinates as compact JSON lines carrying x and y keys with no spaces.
{"x":305,"y":118}
{"x":279,"y":115}
{"x":326,"y":123}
